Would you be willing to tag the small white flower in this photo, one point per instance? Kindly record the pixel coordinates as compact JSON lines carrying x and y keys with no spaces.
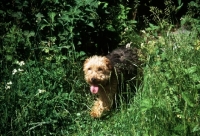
{"x":143,"y":32}
{"x":142,"y":45}
{"x":128,"y":45}
{"x":41,"y":91}
{"x":126,"y":29}
{"x":14,"y":71}
{"x":20,"y":70}
{"x":17,"y":70}
{"x":8,"y":85}
{"x":21,"y":63}
{"x":78,"y":114}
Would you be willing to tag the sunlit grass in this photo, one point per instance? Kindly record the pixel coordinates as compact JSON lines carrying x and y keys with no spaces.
{"x":50,"y":96}
{"x":167,"y":101}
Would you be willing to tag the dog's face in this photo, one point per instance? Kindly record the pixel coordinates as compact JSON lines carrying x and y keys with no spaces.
{"x":97,"y":71}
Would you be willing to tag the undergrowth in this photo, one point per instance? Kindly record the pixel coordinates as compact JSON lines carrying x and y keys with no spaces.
{"x":42,"y":89}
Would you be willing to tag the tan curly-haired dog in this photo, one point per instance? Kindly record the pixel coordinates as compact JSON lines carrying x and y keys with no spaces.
{"x":101,"y":73}
{"x":98,"y":74}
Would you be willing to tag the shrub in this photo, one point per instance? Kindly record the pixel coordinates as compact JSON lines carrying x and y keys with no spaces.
{"x":43,"y":47}
{"x":44,"y":43}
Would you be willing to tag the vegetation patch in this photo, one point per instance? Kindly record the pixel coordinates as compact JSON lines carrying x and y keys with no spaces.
{"x":43,"y":47}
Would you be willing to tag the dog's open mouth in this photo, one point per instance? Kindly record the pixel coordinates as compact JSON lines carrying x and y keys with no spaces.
{"x":94,"y":89}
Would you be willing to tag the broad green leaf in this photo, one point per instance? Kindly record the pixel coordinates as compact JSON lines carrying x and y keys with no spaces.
{"x":39,"y":15}
{"x":52,"y":16}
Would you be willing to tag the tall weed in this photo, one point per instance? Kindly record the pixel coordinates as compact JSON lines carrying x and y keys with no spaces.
{"x":42,"y":90}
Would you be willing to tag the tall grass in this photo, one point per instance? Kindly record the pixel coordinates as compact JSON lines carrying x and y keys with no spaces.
{"x":167,"y":101}
{"x":42,"y":87}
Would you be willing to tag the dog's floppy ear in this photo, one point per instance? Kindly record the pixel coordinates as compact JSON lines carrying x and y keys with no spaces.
{"x":108,"y":63}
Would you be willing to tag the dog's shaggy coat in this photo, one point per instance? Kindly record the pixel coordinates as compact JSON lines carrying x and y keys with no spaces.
{"x":101,"y":73}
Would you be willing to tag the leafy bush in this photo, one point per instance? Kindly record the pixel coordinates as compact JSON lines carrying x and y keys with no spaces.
{"x":43,"y":46}
{"x":44,"y":43}
{"x":170,"y":90}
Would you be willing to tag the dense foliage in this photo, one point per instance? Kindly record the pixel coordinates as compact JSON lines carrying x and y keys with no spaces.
{"x":44,"y":44}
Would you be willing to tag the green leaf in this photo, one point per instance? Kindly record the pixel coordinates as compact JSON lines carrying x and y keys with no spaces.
{"x":195,"y":77}
{"x":186,"y":98}
{"x":43,"y":25}
{"x":198,"y":86}
{"x":179,"y":127}
{"x":65,"y":18}
{"x":82,"y":53}
{"x":110,"y":28}
{"x":179,"y":7}
{"x":196,"y":128}
{"x":17,"y":15}
{"x":191,"y":70}
{"x":91,"y":24}
{"x":29,"y":34}
{"x":9,"y":57}
{"x":39,"y":15}
{"x":52,"y":16}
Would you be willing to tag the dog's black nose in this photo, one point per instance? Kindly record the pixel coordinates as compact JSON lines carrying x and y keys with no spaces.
{"x":93,"y":79}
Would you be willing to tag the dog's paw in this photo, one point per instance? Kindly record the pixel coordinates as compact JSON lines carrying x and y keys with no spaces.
{"x":95,"y":114}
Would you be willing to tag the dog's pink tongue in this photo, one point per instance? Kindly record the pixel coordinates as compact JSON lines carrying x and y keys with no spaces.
{"x":94,"y":89}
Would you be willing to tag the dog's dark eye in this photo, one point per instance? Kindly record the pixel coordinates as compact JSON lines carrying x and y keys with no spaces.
{"x":100,"y":69}
{"x":89,"y":68}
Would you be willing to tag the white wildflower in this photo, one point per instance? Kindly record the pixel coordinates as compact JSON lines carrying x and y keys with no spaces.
{"x":17,"y":70}
{"x":179,"y":116}
{"x":128,"y":45}
{"x":126,"y":29}
{"x":8,"y":85}
{"x":14,"y":71}
{"x":20,"y":70}
{"x":41,"y":91}
{"x":21,"y":63}
{"x":143,"y":32}
{"x":78,"y":114}
{"x":142,"y":45}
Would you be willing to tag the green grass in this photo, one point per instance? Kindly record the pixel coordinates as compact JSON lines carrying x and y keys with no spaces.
{"x":53,"y":98}
{"x":42,"y":87}
{"x":167,"y":102}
